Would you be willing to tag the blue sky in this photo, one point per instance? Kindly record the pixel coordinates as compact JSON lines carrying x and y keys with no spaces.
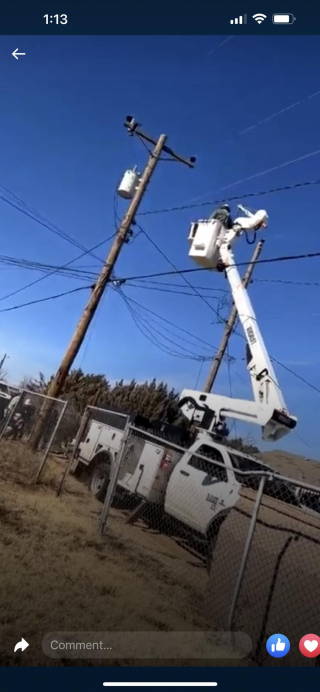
{"x":64,"y":149}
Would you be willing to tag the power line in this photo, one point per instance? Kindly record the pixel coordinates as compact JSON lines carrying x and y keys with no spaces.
{"x":279,"y":112}
{"x":21,"y":263}
{"x":296,"y":375}
{"x":284,"y":258}
{"x":42,"y":300}
{"x":173,"y":285}
{"x":282,"y":281}
{"x":235,"y":198}
{"x":306,"y":382}
{"x":149,"y":335}
{"x":234,"y":425}
{"x":285,"y":367}
{"x":55,"y":271}
{"x":177,"y":292}
{"x":28,"y":211}
{"x":185,"y":340}
{"x":203,"y":298}
{"x":306,"y":443}
{"x":272,"y":169}
{"x":172,"y":324}
{"x":199,"y":374}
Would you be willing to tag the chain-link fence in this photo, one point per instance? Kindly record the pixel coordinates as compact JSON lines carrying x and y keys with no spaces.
{"x":24,"y":412}
{"x":227,"y":549}
{"x":265,"y":574}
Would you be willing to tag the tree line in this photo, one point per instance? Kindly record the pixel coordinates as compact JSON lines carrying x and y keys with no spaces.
{"x":152,"y":399}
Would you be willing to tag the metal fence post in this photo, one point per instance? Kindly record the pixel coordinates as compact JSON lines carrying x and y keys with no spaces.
{"x":114,"y":477}
{"x":83,"y":424}
{"x":48,"y":447}
{"x":245,"y":554}
{"x":12,"y":412}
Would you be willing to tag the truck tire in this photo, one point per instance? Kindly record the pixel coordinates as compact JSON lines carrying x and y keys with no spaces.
{"x":99,"y":479}
{"x":212,"y":537}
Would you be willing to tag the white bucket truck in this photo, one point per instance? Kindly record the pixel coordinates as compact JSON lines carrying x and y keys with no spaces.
{"x":197,"y":485}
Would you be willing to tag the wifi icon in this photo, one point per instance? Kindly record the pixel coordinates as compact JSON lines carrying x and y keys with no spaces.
{"x":259,"y":17}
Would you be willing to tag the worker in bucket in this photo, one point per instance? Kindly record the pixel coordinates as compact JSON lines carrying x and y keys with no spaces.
{"x":223,"y":215}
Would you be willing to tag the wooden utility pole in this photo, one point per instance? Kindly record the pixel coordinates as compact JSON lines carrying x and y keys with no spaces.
{"x":230,"y":323}
{"x":98,"y":290}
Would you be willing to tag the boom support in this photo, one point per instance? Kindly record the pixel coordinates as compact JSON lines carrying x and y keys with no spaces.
{"x":268,"y":409}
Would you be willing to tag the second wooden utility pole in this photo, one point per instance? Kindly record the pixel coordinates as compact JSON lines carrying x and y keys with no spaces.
{"x":230,"y":323}
{"x":98,"y":290}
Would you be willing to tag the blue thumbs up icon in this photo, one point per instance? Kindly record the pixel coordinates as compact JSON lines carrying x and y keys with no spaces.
{"x":278,"y":645}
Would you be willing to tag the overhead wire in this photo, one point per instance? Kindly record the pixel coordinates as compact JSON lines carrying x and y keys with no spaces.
{"x":54,"y":271}
{"x":182,"y":329}
{"x":277,"y":113}
{"x":303,"y":379}
{"x":234,"y":198}
{"x":234,"y":425}
{"x":33,"y":214}
{"x":174,"y":285}
{"x":28,"y":211}
{"x":268,"y":260}
{"x":203,"y":298}
{"x":271,"y":170}
{"x":169,"y":331}
{"x":169,"y":290}
{"x":283,"y":281}
{"x":199,"y":374}
{"x":148,"y":334}
{"x":22,"y":263}
{"x":299,"y":377}
{"x":306,"y":443}
{"x":42,"y":300}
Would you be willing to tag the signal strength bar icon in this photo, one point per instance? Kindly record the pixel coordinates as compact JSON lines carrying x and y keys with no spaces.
{"x":239,"y":20}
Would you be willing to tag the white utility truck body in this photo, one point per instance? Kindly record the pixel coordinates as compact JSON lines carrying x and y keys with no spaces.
{"x":195,"y":485}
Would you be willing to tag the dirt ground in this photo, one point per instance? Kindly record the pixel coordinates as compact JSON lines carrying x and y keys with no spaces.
{"x":58,"y":574}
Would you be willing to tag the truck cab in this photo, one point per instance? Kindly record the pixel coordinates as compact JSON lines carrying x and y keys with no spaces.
{"x":202,"y":487}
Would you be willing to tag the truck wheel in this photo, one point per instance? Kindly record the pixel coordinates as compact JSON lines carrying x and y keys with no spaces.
{"x":212,"y":537}
{"x":99,"y":480}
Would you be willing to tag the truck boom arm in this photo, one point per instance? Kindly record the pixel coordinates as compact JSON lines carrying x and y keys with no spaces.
{"x":268,"y":408}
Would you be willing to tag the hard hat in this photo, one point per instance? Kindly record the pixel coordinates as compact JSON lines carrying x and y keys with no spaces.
{"x":225,"y":206}
{"x":27,"y":402}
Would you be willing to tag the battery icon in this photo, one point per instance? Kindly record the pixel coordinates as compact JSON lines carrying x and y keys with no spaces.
{"x":283,"y":18}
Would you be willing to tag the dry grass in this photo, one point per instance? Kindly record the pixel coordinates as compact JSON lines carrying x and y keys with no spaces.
{"x":60,"y":575}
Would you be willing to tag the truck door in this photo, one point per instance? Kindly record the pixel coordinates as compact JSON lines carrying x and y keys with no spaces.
{"x":199,"y":489}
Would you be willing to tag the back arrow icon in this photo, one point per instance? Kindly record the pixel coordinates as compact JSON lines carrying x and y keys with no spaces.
{"x":21,"y":645}
{"x":15,"y":53}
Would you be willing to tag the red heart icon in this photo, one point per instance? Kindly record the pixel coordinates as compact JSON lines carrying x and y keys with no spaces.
{"x":309,"y":645}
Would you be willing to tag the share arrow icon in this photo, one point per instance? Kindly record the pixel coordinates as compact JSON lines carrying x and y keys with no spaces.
{"x":21,"y":645}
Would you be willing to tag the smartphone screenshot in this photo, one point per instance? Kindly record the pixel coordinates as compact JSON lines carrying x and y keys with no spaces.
{"x":159,"y":348}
